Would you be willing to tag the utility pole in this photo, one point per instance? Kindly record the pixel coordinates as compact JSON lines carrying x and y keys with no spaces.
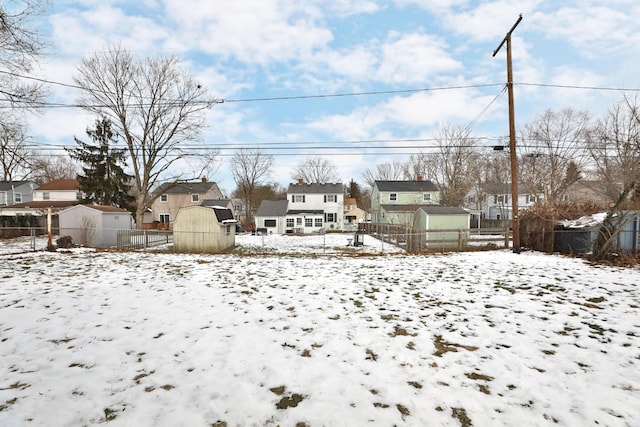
{"x":515,"y":223}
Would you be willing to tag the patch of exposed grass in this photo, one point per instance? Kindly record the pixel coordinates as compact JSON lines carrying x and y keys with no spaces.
{"x":460,"y":414}
{"x":443,"y":347}
{"x":290,"y":401}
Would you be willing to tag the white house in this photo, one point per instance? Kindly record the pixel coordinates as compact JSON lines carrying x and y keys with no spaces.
{"x":58,"y":190}
{"x":495,"y":201}
{"x":315,"y":206}
{"x":94,"y":226}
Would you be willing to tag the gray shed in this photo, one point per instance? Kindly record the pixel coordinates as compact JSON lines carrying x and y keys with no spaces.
{"x":94,"y":226}
{"x":204,"y":229}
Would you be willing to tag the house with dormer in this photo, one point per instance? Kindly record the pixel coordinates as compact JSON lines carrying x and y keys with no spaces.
{"x":395,"y":202}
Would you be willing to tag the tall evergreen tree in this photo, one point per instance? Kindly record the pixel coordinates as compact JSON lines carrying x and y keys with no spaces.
{"x":353,"y":191}
{"x":103,"y":180}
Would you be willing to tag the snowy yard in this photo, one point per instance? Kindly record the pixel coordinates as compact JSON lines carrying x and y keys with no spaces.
{"x":323,"y":335}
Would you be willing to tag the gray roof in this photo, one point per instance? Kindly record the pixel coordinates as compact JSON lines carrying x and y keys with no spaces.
{"x":429,"y":209}
{"x":215,"y":202}
{"x":273,"y":208}
{"x":315,"y":188}
{"x":443,"y":210}
{"x":8,"y":185}
{"x":302,"y":211}
{"x":406,"y":186}
{"x":196,"y":187}
{"x":223,"y":214}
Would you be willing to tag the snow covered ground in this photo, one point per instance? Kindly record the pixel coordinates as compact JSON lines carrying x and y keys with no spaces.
{"x":323,"y":335}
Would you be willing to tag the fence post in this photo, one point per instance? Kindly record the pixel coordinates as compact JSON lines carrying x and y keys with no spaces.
{"x":460,"y":240}
{"x":506,"y":237}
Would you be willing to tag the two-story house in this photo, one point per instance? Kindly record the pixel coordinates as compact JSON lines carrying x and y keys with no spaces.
{"x":395,"y":202}
{"x":13,"y":192}
{"x":308,"y":208}
{"x":495,"y":201}
{"x":55,"y":195}
{"x":175,"y":195}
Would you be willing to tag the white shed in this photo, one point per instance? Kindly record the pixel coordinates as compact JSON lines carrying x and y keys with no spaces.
{"x":94,"y":226}
{"x":204,"y":229}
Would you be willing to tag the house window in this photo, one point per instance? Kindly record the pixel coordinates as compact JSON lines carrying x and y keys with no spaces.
{"x":164,"y":218}
{"x":500,"y":199}
{"x":426,"y":197}
{"x":289,"y":222}
{"x":164,"y":197}
{"x":269,"y":222}
{"x":3,"y":197}
{"x":330,"y":198}
{"x":393,"y":197}
{"x":331,"y":217}
{"x":299,"y":221}
{"x":195,"y":198}
{"x":46,"y":195}
{"x":17,"y":197}
{"x":318,"y":222}
{"x":308,"y":222}
{"x":297,"y":198}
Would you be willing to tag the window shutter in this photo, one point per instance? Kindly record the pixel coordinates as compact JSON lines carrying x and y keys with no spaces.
{"x":303,"y":198}
{"x":293,"y":198}
{"x":325,"y":198}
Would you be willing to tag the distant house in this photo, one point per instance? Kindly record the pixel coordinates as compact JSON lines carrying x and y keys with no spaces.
{"x":272,"y":216}
{"x":440,"y":226}
{"x":173,"y":196}
{"x":494,"y":201}
{"x":14,"y":192}
{"x":353,"y":215}
{"x":315,"y":206}
{"x":394,"y":202}
{"x":94,"y":226}
{"x":55,"y":195}
{"x":58,"y":190}
{"x":204,"y":229}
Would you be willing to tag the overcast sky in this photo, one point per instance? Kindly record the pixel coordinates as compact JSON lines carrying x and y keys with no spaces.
{"x":255,"y":49}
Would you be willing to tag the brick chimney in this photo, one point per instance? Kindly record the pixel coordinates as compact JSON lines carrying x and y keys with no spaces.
{"x":204,"y":180}
{"x":419,"y":177}
{"x":300,"y":181}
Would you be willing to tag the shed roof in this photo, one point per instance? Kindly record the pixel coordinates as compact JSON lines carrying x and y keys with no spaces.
{"x":223,"y":214}
{"x":315,"y":188}
{"x":216,"y":202}
{"x":273,"y":208}
{"x":443,"y":210}
{"x":405,"y":186}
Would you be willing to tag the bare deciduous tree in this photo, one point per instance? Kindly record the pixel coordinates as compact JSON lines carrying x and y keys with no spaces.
{"x":47,"y":167}
{"x":551,"y":160}
{"x":388,"y":171}
{"x":614,"y":146}
{"x":155,"y":107}
{"x":452,"y":166}
{"x":14,"y":153}
{"x":20,"y":45}
{"x":250,"y":168}
{"x":316,"y":169}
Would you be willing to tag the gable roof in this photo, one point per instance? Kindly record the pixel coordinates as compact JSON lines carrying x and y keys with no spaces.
{"x":9,"y":185}
{"x":420,"y":186}
{"x":61,"y":185}
{"x":315,"y":188}
{"x":216,"y":202}
{"x":43,"y":204}
{"x":273,"y":208}
{"x":196,"y":187}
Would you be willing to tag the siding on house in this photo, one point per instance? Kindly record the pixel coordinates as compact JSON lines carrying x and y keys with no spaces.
{"x":174,"y":196}
{"x":401,"y":193}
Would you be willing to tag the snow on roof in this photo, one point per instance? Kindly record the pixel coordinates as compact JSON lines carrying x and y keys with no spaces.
{"x":584,"y":221}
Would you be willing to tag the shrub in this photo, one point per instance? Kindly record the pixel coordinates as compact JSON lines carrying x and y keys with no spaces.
{"x":64,"y":242}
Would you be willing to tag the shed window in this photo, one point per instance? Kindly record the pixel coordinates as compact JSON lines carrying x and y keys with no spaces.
{"x":269,"y":222}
